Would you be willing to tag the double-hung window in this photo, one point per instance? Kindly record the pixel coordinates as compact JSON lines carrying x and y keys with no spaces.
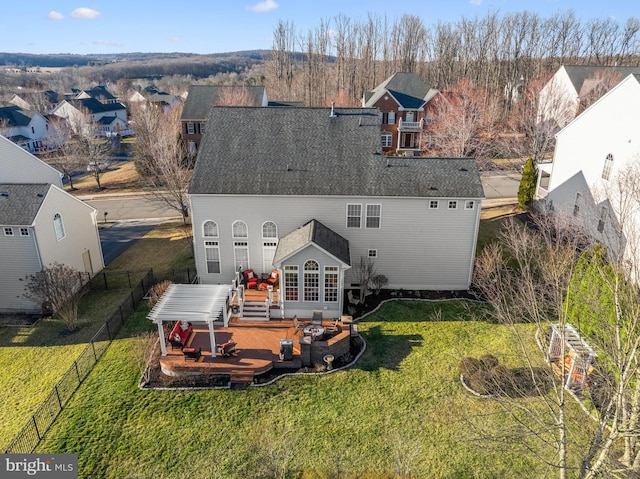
{"x":331,"y":284}
{"x":212,"y":255}
{"x":191,"y":128}
{"x":373,"y":216}
{"x":354,"y":214}
{"x":291,"y":282}
{"x":311,"y":281}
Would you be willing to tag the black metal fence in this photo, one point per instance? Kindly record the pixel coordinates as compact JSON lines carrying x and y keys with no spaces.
{"x":32,"y":433}
{"x":128,"y":279}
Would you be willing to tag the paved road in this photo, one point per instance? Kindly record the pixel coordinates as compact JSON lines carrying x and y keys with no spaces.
{"x":504,"y":185}
{"x":117,"y":237}
{"x":131,"y":207}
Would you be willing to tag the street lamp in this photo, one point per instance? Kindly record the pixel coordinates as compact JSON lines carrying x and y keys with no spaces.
{"x":105,"y":216}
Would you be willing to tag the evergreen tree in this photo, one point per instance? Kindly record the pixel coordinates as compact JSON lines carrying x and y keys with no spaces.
{"x":527,"y":188}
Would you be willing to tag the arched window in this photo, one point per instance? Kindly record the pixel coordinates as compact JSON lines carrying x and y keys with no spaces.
{"x":240,"y":230}
{"x":269,"y":230}
{"x":311,"y":281}
{"x":58,"y":226}
{"x":210,"y":229}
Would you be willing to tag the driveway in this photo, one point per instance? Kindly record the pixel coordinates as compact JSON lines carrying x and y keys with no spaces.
{"x":119,"y":236}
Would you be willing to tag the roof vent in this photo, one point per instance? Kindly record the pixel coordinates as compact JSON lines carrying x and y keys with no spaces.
{"x":5,"y":194}
{"x":333,"y":111}
{"x":431,"y":187}
{"x":462,"y":168}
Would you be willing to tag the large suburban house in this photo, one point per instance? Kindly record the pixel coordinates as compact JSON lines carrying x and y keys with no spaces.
{"x":26,"y":128}
{"x":40,"y":224}
{"x":307,"y":192}
{"x":109,"y":118}
{"x":591,"y":152}
{"x":200,"y":100}
{"x":402,"y":100}
{"x":564,"y":94}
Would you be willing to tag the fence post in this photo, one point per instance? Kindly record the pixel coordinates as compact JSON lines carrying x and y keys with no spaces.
{"x":35,"y":425}
{"x":129,"y":278}
{"x":104,"y":276}
{"x":121,"y":315}
{"x":108,"y":332}
{"x":188,"y":275}
{"x":93,"y":346}
{"x":75,"y":363}
{"x":58,"y":396}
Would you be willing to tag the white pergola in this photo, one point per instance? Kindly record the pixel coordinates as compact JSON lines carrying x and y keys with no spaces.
{"x":194,"y":303}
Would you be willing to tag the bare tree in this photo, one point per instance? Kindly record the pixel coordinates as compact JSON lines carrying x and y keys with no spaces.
{"x":365,"y":271}
{"x":59,"y":286}
{"x":162,"y":157}
{"x":233,"y":96}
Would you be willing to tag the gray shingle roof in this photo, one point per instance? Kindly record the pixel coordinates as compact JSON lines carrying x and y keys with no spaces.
{"x":579,"y":73}
{"x":202,"y":97}
{"x":303,"y":151}
{"x":318,"y":234}
{"x":408,"y":88}
{"x":94,"y":106}
{"x":19,"y":203}
{"x":16,"y":116}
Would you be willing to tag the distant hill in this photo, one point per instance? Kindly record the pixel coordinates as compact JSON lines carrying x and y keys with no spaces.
{"x":71,"y":60}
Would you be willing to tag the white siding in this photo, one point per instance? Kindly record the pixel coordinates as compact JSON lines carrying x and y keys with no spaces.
{"x":81,"y":231}
{"x":418,"y":247}
{"x":20,"y":166}
{"x":19,"y":259}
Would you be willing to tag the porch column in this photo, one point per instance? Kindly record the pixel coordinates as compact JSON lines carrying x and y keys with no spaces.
{"x":225,"y":315}
{"x":163,"y":344}
{"x":212,"y":339}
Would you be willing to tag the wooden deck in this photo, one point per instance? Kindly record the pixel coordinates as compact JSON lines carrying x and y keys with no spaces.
{"x":257,"y":350}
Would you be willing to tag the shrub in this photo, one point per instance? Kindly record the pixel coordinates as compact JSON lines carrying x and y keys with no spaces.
{"x":469,"y":366}
{"x":489,"y":361}
{"x":156,"y":292}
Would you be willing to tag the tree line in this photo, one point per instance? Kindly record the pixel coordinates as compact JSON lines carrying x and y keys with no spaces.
{"x":496,"y":52}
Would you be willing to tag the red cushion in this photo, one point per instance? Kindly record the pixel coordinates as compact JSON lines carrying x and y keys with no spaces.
{"x":248,"y":274}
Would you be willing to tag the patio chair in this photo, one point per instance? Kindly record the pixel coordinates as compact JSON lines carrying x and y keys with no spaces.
{"x":297,"y":325}
{"x":317,"y":317}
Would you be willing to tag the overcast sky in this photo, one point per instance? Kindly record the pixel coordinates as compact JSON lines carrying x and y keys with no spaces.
{"x":212,"y":26}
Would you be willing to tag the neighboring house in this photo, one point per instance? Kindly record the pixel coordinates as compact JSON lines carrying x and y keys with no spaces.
{"x":41,"y":101}
{"x":41,"y":224}
{"x":99,"y":92}
{"x":561,"y":98}
{"x":402,"y":100}
{"x":20,"y":166}
{"x":307,"y":191}
{"x":111,"y":117}
{"x":26,"y":128}
{"x":590,"y":153}
{"x":202,"y":98}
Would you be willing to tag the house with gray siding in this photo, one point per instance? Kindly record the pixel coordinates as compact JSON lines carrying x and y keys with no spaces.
{"x":41,"y":224}
{"x":19,"y":166}
{"x":308,"y":192}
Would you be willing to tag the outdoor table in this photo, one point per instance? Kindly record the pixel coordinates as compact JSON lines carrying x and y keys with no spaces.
{"x":315,"y":331}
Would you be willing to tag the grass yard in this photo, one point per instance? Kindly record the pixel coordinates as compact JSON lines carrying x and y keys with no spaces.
{"x":402,"y":403}
{"x":121,"y":177}
{"x":33,"y":360}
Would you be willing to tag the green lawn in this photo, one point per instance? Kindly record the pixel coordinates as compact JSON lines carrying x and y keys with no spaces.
{"x":401,"y":403}
{"x":33,"y":360}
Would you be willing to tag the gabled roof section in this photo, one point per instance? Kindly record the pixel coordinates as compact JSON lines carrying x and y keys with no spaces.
{"x":99,"y":91}
{"x":16,"y":116}
{"x":407,"y":88}
{"x":19,"y":203}
{"x":579,"y":73}
{"x":93,"y":106}
{"x":315,"y":233}
{"x":306,"y":151}
{"x":202,"y":98}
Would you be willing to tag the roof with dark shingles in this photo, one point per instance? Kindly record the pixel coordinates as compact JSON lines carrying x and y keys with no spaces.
{"x":408,"y":88}
{"x":579,"y":73}
{"x":16,"y":116}
{"x":94,"y":106}
{"x":19,"y":203}
{"x":201,"y":99}
{"x":303,"y":151}
{"x":318,"y":234}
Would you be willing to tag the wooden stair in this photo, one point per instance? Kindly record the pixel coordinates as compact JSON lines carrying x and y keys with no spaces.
{"x":255,"y":311}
